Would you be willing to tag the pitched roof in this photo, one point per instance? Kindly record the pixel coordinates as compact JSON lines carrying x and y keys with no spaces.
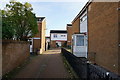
{"x":58,"y":31}
{"x":83,"y":9}
{"x":40,"y":18}
{"x":69,"y":24}
{"x":47,"y":37}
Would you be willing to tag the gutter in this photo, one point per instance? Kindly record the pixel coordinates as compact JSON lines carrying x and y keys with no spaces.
{"x":83,"y":9}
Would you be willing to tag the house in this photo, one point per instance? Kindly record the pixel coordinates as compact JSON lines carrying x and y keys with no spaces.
{"x":38,"y":41}
{"x":100,"y":22}
{"x":58,"y":38}
{"x":80,"y":35}
{"x":69,"y":34}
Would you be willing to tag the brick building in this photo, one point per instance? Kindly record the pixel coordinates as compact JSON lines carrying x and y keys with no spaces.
{"x":75,"y":25}
{"x":101,"y":21}
{"x":38,"y":41}
{"x":69,"y":34}
{"x":58,"y":38}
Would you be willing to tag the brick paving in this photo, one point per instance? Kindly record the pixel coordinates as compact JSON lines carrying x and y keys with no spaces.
{"x":47,"y":65}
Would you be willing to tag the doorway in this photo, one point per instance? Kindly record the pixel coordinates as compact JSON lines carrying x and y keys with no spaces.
{"x":80,"y":45}
{"x":58,"y":44}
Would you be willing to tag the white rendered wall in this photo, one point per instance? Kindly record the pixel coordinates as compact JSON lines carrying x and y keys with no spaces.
{"x":59,"y":37}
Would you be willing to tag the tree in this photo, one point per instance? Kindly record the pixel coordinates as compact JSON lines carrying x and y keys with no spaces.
{"x":19,"y":20}
{"x":7,"y":28}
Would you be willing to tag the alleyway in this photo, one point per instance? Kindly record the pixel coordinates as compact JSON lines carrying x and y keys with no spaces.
{"x":47,"y":65}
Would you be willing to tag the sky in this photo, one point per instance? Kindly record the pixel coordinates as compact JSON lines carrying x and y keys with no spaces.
{"x":58,"y":14}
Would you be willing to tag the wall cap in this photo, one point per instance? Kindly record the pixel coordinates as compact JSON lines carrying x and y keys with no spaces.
{"x":14,"y":41}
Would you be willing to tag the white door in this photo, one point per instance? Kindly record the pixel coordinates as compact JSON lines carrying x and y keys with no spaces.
{"x":59,"y":43}
{"x":80,"y":45}
{"x":31,"y":45}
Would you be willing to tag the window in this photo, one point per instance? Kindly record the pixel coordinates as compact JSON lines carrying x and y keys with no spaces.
{"x":55,"y":35}
{"x":38,"y":19}
{"x":62,"y":35}
{"x":79,"y":40}
{"x":83,"y":18}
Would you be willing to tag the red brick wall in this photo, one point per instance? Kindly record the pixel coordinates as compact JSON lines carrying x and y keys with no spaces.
{"x":13,"y":54}
{"x":76,"y":26}
{"x":53,"y":44}
{"x":40,"y":43}
{"x":36,"y":44}
{"x":69,"y":35}
{"x":119,"y":37}
{"x":103,"y":34}
{"x":39,"y":30}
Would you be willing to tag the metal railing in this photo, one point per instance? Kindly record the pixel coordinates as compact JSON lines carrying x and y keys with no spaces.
{"x":86,"y":70}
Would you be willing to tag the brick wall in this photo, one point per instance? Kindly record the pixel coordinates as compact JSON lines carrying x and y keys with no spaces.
{"x":103,"y":34}
{"x":37,"y":44}
{"x":63,"y":43}
{"x":69,"y":35}
{"x":76,"y":26}
{"x":13,"y":54}
{"x":119,"y":38}
{"x":53,"y":44}
{"x":40,"y":43}
{"x":39,"y":30}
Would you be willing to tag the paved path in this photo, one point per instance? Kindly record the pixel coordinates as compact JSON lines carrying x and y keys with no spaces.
{"x":47,"y":65}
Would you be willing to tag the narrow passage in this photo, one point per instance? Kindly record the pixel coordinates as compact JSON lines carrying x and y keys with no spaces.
{"x":47,"y":65}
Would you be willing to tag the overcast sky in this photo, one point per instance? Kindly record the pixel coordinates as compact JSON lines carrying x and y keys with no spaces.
{"x":57,"y":14}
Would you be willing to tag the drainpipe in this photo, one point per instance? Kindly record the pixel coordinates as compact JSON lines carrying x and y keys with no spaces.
{"x":87,"y":31}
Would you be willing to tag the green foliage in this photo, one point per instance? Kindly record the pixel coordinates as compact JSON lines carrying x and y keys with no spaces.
{"x":0,"y":24}
{"x":19,"y":21}
{"x":7,"y":29}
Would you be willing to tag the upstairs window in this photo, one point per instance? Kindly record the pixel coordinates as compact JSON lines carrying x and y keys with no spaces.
{"x":55,"y":35}
{"x":62,"y":35}
{"x":38,"y":19}
{"x":83,"y":18}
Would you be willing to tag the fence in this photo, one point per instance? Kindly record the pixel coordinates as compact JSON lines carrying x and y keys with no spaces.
{"x":87,"y":71}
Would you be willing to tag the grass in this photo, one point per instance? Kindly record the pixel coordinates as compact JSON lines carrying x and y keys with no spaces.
{"x":68,"y":49}
{"x":12,"y":74}
{"x":69,"y":68}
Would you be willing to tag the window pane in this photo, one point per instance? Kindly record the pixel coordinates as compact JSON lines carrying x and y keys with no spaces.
{"x":83,"y":18}
{"x":79,"y":40}
{"x":55,"y":35}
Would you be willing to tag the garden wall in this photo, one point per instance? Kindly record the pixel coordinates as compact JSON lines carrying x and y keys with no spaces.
{"x":13,"y":54}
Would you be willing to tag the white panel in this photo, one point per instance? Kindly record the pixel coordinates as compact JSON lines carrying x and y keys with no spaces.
{"x":80,"y":51}
{"x":59,"y":43}
{"x":59,"y":37}
{"x":36,"y":38}
{"x":83,"y":26}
